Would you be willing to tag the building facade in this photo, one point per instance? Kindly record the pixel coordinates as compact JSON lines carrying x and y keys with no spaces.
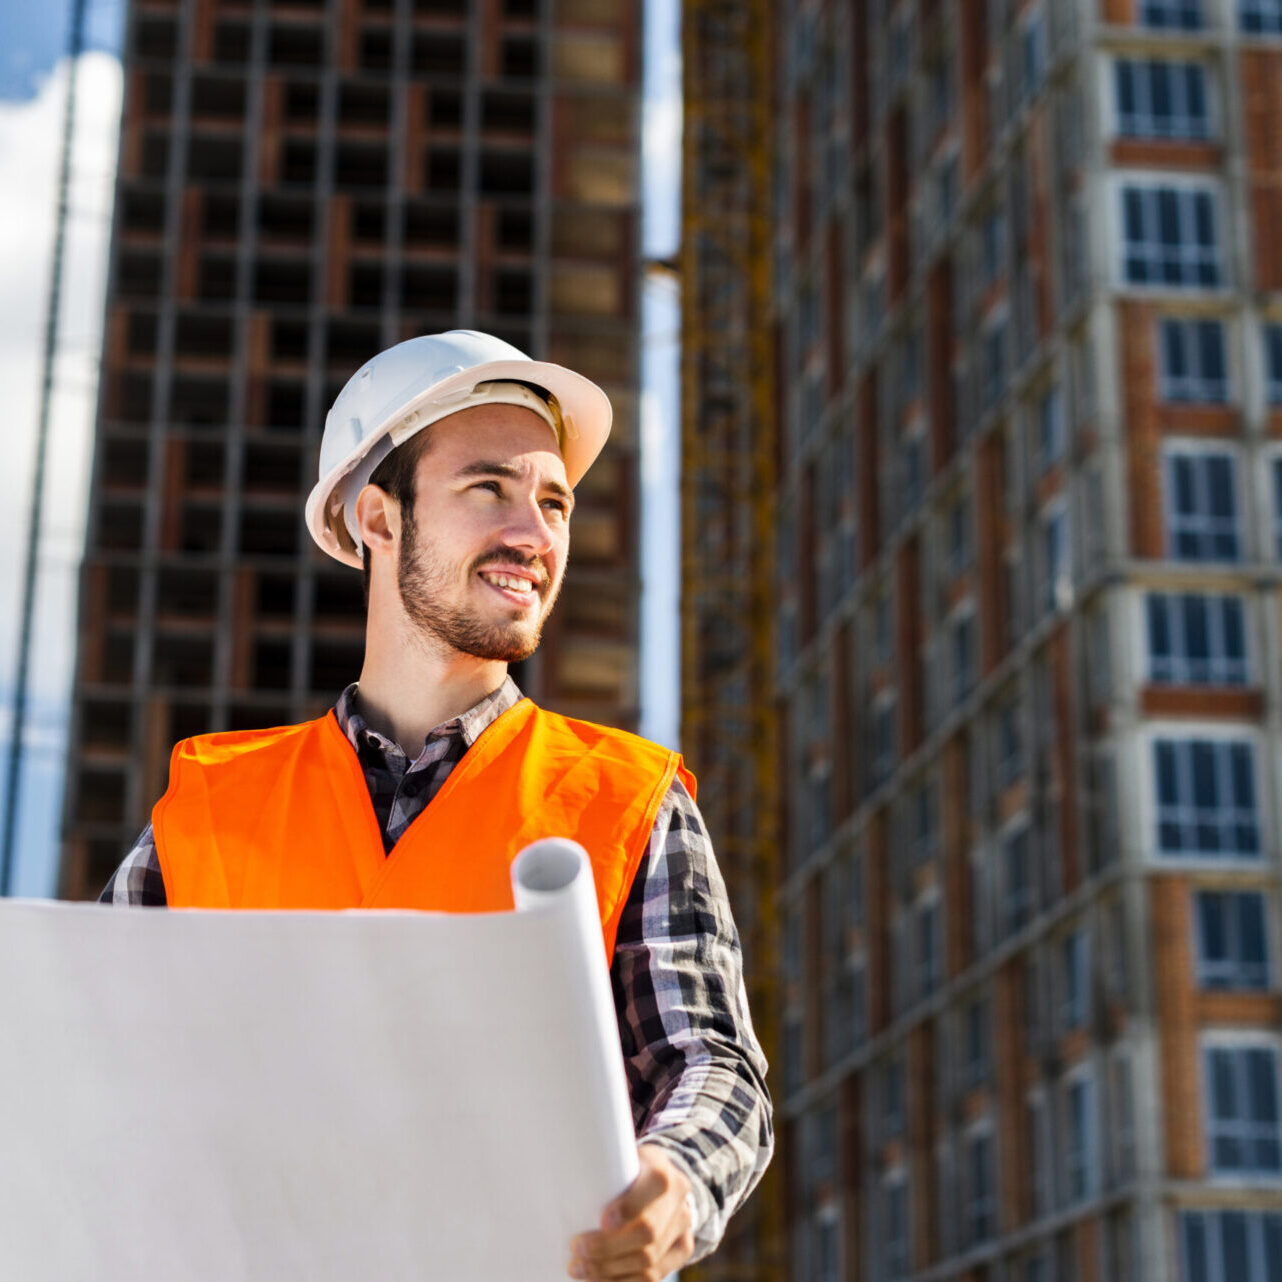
{"x":1028,"y":318}
{"x":302,"y":184}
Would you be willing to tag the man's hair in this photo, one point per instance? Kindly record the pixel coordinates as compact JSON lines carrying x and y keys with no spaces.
{"x":395,"y":477}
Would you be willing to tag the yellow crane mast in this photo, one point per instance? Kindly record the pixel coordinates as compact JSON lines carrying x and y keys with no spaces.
{"x":728,"y":486}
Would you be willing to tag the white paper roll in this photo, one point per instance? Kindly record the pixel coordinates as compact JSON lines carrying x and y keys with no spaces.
{"x":554,"y":876}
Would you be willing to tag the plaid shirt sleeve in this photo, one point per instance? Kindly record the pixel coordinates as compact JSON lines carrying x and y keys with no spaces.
{"x":138,"y":881}
{"x":696,"y":1073}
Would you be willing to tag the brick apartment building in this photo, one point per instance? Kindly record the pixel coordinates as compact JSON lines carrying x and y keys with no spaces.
{"x":1028,"y":283}
{"x":301,"y":183}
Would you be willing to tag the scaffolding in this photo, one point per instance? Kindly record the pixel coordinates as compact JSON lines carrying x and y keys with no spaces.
{"x":728,"y":490}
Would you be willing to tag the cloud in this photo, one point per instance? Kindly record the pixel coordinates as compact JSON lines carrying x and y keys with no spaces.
{"x":30,"y":145}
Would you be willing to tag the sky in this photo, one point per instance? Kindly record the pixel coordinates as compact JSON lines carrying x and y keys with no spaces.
{"x":32,"y":100}
{"x":33,"y":82}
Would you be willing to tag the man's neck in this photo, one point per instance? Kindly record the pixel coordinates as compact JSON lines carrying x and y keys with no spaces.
{"x":406,"y":700}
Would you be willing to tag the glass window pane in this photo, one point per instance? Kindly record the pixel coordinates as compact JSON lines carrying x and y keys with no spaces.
{"x":1173,"y":350}
{"x":1233,"y":1245}
{"x":1243,"y":776}
{"x":1168,"y":218}
{"x":1234,"y":629}
{"x":1210,"y":916}
{"x":1182,"y":489}
{"x":1160,"y":84}
{"x":1272,"y":1246}
{"x":1159,"y":631}
{"x":1219,"y":473}
{"x":1126,"y":88}
{"x":1205,"y":219}
{"x":1223,"y":1086}
{"x":1274,"y":346}
{"x":1196,"y":633}
{"x":1195,"y":1247}
{"x":1133,"y":208}
{"x":1211,"y":350}
{"x":1251,"y":929}
{"x":1168,"y":791}
{"x":1195,"y":89}
{"x":1262,"y":1085}
{"x":1205,"y":791}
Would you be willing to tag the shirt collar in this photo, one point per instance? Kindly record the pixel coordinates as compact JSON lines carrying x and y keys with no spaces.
{"x":467,"y":725}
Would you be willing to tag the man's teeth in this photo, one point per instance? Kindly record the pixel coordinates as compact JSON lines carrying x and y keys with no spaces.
{"x":509,"y":582}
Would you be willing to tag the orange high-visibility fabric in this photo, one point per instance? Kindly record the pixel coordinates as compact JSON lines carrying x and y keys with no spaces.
{"x":282,"y":818}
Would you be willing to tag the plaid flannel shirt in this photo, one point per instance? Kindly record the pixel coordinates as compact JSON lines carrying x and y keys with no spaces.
{"x":695,"y":1072}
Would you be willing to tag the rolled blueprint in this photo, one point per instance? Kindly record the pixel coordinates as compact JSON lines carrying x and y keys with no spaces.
{"x":554,"y":877}
{"x":269,"y":1096}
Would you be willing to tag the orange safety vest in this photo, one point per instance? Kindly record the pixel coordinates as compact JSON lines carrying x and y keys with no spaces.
{"x":282,"y":818}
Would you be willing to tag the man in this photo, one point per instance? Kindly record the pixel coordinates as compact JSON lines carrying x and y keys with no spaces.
{"x":447,"y":469}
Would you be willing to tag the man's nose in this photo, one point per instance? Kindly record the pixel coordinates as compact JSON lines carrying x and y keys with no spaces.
{"x":529,"y":529}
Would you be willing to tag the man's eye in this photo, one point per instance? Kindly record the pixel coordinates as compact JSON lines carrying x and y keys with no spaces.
{"x":557,"y":505}
{"x":493,"y":486}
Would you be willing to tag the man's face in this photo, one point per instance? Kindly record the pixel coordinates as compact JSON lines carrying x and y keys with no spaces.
{"x":483,"y":553}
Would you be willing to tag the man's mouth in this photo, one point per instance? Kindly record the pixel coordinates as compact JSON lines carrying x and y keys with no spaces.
{"x":517,"y":586}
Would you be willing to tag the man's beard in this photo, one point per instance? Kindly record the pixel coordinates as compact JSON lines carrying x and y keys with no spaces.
{"x":424,"y":581}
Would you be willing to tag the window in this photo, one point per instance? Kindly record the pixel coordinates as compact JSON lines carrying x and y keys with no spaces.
{"x":1206,"y":798}
{"x":1273,"y":363}
{"x":1039,"y":1153}
{"x":962,"y":646}
{"x":1121,"y":1123}
{"x":1017,"y":888}
{"x":1169,"y":238}
{"x":1195,"y":639}
{"x":883,"y":739}
{"x":1076,"y":982}
{"x":1180,"y":15}
{"x":1232,"y":939}
{"x":1242,"y":1110}
{"x":975,"y":1068}
{"x":1232,"y":1246}
{"x":1079,"y":1150}
{"x":923,"y":822}
{"x":958,"y":550}
{"x":1056,"y":583}
{"x":893,"y":1097}
{"x":981,"y":1202}
{"x":912,"y":468}
{"x":1157,"y":98}
{"x":1009,"y":737}
{"x":928,"y":950}
{"x":992,"y":249}
{"x":994,"y":362}
{"x":895,"y":1226}
{"x":1194,"y":369}
{"x":1201,"y":506}
{"x":1263,"y":16}
{"x":1050,"y":428}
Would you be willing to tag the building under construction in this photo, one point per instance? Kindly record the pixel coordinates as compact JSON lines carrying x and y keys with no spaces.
{"x":301,"y":184}
{"x":1011,"y":600}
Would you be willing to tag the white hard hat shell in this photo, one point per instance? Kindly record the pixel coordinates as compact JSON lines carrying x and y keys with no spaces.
{"x":417,"y":382}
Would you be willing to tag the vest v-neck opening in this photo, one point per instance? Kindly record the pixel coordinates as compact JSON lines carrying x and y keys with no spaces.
{"x":492,"y":740}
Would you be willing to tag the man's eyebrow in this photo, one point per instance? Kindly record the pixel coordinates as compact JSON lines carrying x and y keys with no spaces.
{"x":509,"y":471}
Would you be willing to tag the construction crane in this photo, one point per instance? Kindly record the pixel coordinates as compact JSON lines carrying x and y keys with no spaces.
{"x":728,"y":488}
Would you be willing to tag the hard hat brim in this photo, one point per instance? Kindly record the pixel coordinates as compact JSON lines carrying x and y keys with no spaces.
{"x":585,"y":409}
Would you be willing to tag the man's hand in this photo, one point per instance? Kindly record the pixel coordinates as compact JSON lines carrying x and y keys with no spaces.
{"x":646,"y":1232}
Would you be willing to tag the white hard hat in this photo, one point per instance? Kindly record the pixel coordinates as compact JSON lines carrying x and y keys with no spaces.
{"x":402,"y":390}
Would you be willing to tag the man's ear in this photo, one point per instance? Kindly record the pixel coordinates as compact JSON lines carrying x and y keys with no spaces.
{"x":378,"y":518}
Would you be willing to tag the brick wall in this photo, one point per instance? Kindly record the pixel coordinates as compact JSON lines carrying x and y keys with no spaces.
{"x":1143,"y":434}
{"x":1177,"y":1020}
